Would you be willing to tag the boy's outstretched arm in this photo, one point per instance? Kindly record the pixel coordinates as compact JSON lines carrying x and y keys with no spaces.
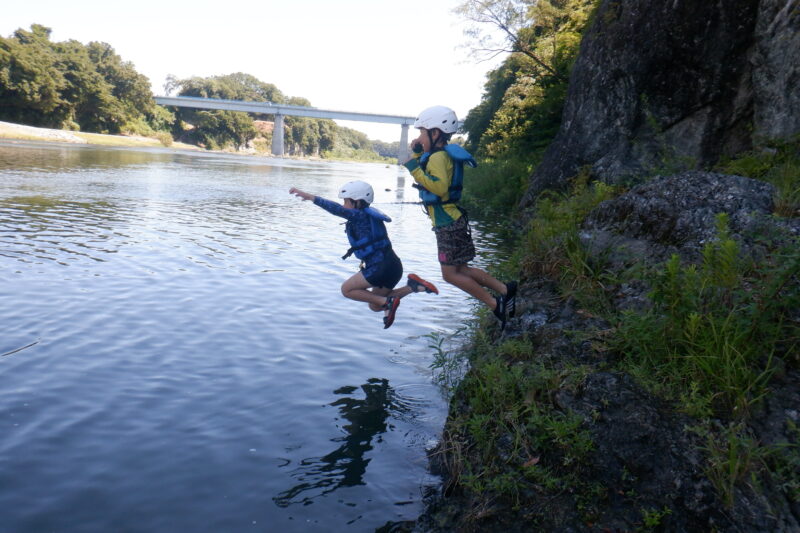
{"x":302,"y":194}
{"x":331,"y":207}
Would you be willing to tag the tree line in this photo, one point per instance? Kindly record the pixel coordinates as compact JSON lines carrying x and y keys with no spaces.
{"x":520,"y":111}
{"x":69,"y":85}
{"x":89,"y":87}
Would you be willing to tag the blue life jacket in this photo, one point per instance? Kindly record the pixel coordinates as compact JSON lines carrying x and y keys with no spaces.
{"x":459,"y":157}
{"x":377,"y":239}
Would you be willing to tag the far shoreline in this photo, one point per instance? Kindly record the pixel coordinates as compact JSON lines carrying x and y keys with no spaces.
{"x":12,"y":131}
{"x":19,"y":132}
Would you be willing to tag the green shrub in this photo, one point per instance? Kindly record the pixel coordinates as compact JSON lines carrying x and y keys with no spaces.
{"x":778,"y":163}
{"x":714,"y":329}
{"x":164,"y":138}
{"x":553,"y":247}
{"x":495,"y":186}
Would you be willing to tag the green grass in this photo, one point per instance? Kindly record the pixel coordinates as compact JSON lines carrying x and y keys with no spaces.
{"x":553,"y":248}
{"x":778,"y":163}
{"x":715,"y":333}
{"x":510,"y":422}
{"x":714,"y":328}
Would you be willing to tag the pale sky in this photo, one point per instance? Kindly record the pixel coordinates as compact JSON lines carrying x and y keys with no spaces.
{"x":376,"y":56}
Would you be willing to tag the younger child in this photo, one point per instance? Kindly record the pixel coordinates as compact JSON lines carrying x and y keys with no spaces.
{"x":437,"y":169}
{"x":381,"y":269}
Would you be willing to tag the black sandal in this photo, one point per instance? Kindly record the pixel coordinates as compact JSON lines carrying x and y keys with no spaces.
{"x":500,"y":312}
{"x":510,"y":298}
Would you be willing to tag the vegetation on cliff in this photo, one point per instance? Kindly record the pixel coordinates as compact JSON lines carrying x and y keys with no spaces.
{"x":520,"y":111}
{"x":650,"y":381}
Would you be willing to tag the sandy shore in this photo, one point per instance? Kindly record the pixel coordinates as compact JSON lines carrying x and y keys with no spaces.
{"x":9,"y":130}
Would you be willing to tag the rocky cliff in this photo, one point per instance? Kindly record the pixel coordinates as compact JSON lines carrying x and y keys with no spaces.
{"x":586,"y":413}
{"x":635,"y":461}
{"x":680,"y":81}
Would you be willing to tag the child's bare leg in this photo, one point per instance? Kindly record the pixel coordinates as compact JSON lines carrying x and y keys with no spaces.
{"x":484,"y":278}
{"x":380,"y":291}
{"x":356,"y":288}
{"x":472,"y":281}
{"x":420,"y":285}
{"x":402,"y":292}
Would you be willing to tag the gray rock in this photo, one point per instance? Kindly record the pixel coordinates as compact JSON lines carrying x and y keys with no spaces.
{"x":678,"y":83}
{"x":776,"y":69}
{"x":678,"y":213}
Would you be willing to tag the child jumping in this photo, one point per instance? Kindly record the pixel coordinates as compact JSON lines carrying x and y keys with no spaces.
{"x":381,"y":269}
{"x":437,"y":168}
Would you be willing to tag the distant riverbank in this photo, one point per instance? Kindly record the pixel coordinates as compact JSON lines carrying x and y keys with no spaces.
{"x":9,"y":130}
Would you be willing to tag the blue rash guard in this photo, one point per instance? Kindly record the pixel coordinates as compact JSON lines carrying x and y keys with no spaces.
{"x":361,"y":226}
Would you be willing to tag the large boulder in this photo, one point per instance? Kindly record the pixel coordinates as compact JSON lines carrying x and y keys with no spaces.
{"x":677,"y":214}
{"x":682,"y":81}
{"x":776,"y":69}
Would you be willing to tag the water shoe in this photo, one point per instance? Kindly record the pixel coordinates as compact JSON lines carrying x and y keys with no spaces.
{"x":392,"y":303}
{"x":500,"y":312}
{"x":510,"y":298}
{"x":415,"y":282}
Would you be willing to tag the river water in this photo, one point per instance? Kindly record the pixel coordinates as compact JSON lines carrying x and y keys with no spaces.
{"x":191,"y":364}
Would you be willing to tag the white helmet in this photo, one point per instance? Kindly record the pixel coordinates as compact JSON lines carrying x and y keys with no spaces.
{"x":357,"y":190}
{"x":438,"y":116}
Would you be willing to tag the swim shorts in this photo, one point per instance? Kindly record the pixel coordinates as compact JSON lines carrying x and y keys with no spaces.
{"x":386,"y":273}
{"x":454,"y":242}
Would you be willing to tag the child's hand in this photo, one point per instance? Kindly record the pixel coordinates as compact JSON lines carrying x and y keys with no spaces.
{"x":302,"y":194}
{"x":416,"y":145}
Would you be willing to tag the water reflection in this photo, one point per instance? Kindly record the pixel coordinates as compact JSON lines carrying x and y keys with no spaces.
{"x":49,"y":157}
{"x":401,"y":185}
{"x":346,"y":465}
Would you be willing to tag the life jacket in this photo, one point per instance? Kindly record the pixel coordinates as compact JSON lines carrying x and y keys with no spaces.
{"x":459,"y":157}
{"x":377,"y":239}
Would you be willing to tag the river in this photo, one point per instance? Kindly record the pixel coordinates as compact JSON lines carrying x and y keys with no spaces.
{"x":188,"y":361}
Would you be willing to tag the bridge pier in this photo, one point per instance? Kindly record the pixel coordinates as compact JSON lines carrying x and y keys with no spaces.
{"x":277,"y":135}
{"x":402,"y":153}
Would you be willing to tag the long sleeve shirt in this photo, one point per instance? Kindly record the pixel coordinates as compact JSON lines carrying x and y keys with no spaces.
{"x":436,"y":177}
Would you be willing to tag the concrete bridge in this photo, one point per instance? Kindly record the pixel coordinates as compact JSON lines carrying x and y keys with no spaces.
{"x":281,"y":110}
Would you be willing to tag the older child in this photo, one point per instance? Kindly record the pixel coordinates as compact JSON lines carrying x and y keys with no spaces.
{"x":381,"y":269}
{"x":437,"y":168}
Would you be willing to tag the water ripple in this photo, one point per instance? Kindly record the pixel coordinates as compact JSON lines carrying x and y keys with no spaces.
{"x":196,"y":361}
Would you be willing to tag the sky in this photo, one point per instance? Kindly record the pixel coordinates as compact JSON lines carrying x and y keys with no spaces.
{"x":375,"y":56}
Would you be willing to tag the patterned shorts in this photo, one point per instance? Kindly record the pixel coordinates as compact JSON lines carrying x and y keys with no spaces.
{"x":455,"y":243}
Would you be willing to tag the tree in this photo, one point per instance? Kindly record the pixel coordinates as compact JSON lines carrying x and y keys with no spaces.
{"x":520,"y":110}
{"x":128,"y":86}
{"x":30,"y":82}
{"x":68,"y":84}
{"x":94,"y":105}
{"x":509,"y":18}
